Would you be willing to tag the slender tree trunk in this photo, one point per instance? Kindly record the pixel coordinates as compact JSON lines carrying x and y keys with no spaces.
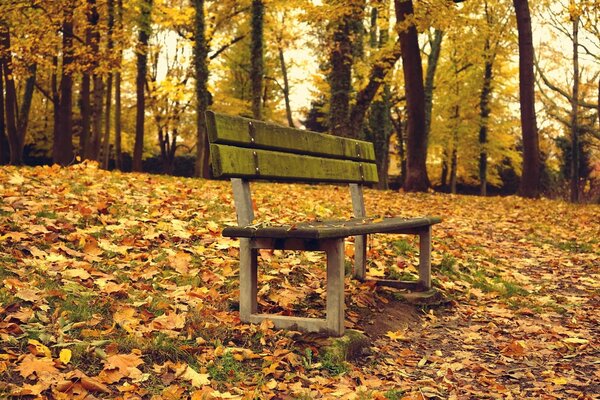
{"x":484,"y":113}
{"x":432,"y":63}
{"x":380,"y":117}
{"x":574,"y":114}
{"x":444,"y":175}
{"x":142,"y":67}
{"x":202,"y":98}
{"x":286,"y":89}
{"x":85,"y":108}
{"x":109,"y":81}
{"x":107,"y":112}
{"x":10,"y":102}
{"x":340,"y":77}
{"x":257,"y":57}
{"x":454,"y":165}
{"x":62,"y":150}
{"x":3,"y":141}
{"x":416,"y":178}
{"x":531,"y":149}
{"x":118,"y":155}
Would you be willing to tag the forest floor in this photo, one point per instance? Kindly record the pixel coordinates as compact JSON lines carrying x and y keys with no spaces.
{"x":121,"y":285}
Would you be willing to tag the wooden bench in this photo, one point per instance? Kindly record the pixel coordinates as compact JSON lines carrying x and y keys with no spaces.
{"x":244,"y":149}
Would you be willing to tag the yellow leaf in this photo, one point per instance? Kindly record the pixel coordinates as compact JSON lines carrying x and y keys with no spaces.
{"x":197,"y":379}
{"x":575,"y":340}
{"x":558,"y":380}
{"x":65,"y":356}
{"x":398,"y":335}
{"x":37,"y":348}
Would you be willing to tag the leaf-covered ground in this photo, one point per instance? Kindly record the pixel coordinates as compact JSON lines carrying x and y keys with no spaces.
{"x":120,"y":285}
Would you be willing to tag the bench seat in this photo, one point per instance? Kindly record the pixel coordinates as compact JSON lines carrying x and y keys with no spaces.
{"x":331,"y":229}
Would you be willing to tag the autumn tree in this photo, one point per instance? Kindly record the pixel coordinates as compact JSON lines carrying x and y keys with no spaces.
{"x":416,"y":174}
{"x":257,"y":57}
{"x":530,"y":178}
{"x":144,"y":29}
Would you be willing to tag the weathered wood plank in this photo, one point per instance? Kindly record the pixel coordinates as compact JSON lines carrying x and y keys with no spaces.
{"x":238,"y":131}
{"x":237,"y":162}
{"x":425,"y":257}
{"x":293,"y":323}
{"x":333,"y":229}
{"x":335,"y":286}
{"x":360,"y":242}
{"x":410,"y":285}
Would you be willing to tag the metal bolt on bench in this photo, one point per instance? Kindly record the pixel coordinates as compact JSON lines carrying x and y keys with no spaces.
{"x":244,"y":149}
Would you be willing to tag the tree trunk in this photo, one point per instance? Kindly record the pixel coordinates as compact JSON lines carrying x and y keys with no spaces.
{"x":202,"y":98}
{"x":340,"y":77}
{"x":453,"y":166}
{"x":85,"y":109}
{"x":574,"y":115}
{"x":432,"y":62}
{"x":531,"y":149}
{"x":109,"y":81}
{"x":416,"y":178}
{"x":3,"y":141}
{"x":484,"y":113}
{"x":97,"y":112}
{"x":10,"y":102}
{"x":62,"y":149}
{"x":257,"y":57}
{"x":286,"y":89}
{"x":118,"y":155}
{"x":142,"y":67}
{"x":380,"y":117}
{"x":444,"y":175}
{"x":106,"y":139}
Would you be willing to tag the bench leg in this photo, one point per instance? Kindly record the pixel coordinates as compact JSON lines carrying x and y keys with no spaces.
{"x":425,"y":258}
{"x":360,"y":257}
{"x":248,"y":280}
{"x":335,"y":285}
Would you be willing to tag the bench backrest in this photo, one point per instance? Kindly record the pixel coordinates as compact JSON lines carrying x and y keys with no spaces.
{"x":251,"y":149}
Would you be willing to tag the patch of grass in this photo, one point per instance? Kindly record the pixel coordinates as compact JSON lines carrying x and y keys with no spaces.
{"x":394,"y":394}
{"x":78,"y":188}
{"x":333,"y":362}
{"x":403,"y":247}
{"x":402,"y":275}
{"x":448,"y":265}
{"x":7,"y":260}
{"x":163,"y":348}
{"x":5,"y":272}
{"x":81,"y":308}
{"x":506,"y":289}
{"x":45,"y":213}
{"x":226,"y":369}
{"x":574,"y":247}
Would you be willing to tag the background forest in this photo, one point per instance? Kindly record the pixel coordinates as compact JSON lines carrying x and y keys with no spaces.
{"x":439,"y":86}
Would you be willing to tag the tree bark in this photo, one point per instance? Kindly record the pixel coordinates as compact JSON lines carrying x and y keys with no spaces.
{"x":109,"y":82}
{"x":85,"y":109}
{"x":142,"y":68}
{"x":340,"y":77}
{"x":286,"y":89}
{"x":118,"y":155}
{"x":574,"y":114}
{"x":202,"y":98}
{"x":257,"y":57}
{"x":416,"y":178}
{"x":484,"y":113}
{"x":62,"y":149}
{"x":531,"y":149}
{"x":3,"y":141}
{"x":432,"y":63}
{"x":10,"y":101}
